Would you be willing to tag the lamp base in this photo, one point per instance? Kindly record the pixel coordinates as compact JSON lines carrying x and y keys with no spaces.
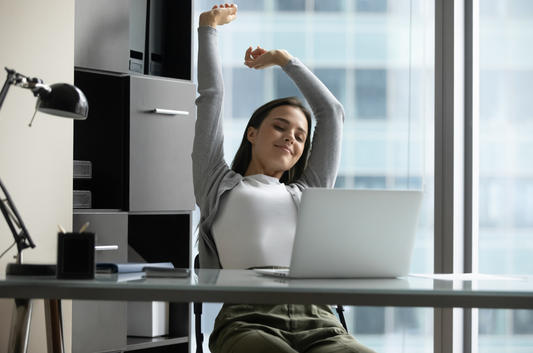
{"x":39,"y":270}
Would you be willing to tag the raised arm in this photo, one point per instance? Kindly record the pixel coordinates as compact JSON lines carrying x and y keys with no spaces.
{"x":323,"y":163}
{"x":207,"y":154}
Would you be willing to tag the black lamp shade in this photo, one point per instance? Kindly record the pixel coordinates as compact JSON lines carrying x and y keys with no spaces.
{"x":64,"y":100}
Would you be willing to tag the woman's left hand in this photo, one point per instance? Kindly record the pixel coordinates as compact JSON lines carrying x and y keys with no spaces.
{"x":261,"y":58}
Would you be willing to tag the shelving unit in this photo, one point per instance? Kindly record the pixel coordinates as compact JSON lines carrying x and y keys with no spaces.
{"x":138,"y":343}
{"x":133,"y":57}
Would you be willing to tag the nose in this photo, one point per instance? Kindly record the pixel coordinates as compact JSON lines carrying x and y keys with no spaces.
{"x":289,"y":137}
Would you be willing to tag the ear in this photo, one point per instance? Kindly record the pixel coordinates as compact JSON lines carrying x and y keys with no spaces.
{"x":251,"y":134}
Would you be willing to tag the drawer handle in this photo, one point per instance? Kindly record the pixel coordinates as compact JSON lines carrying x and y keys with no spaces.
{"x":105,"y":247}
{"x":169,"y":112}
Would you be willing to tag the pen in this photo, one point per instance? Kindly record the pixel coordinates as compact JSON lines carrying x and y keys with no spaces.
{"x":61,"y":229}
{"x":84,"y":227}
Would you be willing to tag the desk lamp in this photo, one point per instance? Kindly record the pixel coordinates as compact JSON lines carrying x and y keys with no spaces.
{"x":59,"y":99}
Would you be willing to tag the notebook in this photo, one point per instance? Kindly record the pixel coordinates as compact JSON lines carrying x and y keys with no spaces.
{"x":346,"y":233}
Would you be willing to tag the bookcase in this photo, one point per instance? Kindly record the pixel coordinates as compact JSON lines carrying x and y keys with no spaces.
{"x":133,"y":62}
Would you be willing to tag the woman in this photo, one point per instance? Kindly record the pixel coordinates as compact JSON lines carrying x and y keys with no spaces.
{"x":248,"y":212}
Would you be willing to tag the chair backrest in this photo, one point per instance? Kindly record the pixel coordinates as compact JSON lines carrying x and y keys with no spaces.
{"x":197,"y":263}
{"x":198,"y":314}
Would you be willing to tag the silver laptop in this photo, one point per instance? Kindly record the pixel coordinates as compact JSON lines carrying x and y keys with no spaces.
{"x":354,"y":234}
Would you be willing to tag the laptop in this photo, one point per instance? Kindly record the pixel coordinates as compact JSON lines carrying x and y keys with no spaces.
{"x":346,"y":233}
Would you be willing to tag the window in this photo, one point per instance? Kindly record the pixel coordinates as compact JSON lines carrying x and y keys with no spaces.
{"x":335,"y":81}
{"x":371,"y":5}
{"x":505,"y":165}
{"x":377,"y":59}
{"x":284,"y":87}
{"x":242,"y":83}
{"x":330,"y":5}
{"x":293,"y":5}
{"x":371,"y":93}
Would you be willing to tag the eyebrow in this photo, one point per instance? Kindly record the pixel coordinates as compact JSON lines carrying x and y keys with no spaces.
{"x":288,"y":123}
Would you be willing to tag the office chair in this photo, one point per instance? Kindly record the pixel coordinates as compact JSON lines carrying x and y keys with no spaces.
{"x":197,"y":308}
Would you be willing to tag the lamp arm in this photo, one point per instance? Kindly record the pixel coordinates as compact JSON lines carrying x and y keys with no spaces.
{"x":23,"y":238}
{"x":41,"y":90}
{"x":9,"y":221}
{"x":11,"y":74}
{"x":34,"y":84}
{"x":66,"y":104}
{"x":20,"y":240}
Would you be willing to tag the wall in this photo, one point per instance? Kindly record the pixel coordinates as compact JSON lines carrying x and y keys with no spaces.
{"x":37,"y":40}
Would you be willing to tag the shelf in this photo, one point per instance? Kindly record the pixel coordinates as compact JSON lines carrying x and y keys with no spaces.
{"x":97,"y":211}
{"x":136,"y":343}
{"x":141,"y":171}
{"x":132,"y":213}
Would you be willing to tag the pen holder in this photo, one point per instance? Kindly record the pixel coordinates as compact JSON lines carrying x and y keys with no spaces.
{"x":75,"y":255}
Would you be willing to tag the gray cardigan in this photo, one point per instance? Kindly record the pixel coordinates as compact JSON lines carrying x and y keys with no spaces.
{"x":212,"y":175}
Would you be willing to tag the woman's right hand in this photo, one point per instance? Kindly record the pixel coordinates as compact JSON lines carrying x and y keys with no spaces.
{"x":219,"y":15}
{"x":261,"y":58}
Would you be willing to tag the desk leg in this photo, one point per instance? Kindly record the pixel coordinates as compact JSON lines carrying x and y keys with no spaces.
{"x":20,"y":326}
{"x":53,"y":325}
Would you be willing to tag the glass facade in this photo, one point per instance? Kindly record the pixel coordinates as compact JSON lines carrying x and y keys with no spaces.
{"x":377,"y":58}
{"x":505,"y":163}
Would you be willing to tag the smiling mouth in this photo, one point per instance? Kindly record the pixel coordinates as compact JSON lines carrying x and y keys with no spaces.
{"x":286,"y":149}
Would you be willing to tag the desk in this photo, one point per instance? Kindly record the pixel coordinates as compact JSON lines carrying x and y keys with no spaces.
{"x":241,"y":286}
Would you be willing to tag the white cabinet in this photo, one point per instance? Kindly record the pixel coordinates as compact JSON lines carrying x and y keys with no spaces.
{"x":151,"y":37}
{"x":141,"y":159}
{"x":161,"y":130}
{"x":99,"y":326}
{"x":102,"y":35}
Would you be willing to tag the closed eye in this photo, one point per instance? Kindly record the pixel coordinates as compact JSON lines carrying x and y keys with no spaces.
{"x":279,"y":128}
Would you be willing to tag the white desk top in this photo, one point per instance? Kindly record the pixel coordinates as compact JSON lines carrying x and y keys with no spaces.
{"x":241,"y":286}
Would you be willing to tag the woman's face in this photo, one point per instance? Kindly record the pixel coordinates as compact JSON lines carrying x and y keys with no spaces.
{"x":279,"y":142}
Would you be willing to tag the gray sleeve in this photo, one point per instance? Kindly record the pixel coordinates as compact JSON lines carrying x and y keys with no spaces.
{"x":208,"y":151}
{"x":323,"y":163}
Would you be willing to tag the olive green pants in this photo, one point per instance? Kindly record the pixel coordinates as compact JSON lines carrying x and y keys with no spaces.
{"x":280,"y":328}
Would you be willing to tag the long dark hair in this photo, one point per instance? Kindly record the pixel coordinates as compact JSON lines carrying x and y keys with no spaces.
{"x":242,"y":158}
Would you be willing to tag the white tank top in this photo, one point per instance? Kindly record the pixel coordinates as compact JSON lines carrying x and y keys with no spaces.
{"x":255,"y":224}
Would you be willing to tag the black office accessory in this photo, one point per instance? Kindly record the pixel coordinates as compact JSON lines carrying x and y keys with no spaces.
{"x":75,"y":255}
{"x":129,"y":267}
{"x":59,"y":99}
{"x":158,"y":272}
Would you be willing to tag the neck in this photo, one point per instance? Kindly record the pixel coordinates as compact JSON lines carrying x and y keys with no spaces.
{"x":257,"y":168}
